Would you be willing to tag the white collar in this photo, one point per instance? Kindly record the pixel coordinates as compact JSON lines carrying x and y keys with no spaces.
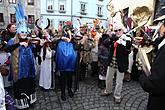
{"x":161,"y":44}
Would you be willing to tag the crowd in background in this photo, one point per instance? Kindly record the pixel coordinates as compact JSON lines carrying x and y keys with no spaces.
{"x":111,"y":53}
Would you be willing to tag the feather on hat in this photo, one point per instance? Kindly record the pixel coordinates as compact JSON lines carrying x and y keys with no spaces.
{"x":20,"y":20}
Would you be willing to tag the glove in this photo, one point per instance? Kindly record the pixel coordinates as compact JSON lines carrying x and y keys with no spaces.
{"x":25,"y":44}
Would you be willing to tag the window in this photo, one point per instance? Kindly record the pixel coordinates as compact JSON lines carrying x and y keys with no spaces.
{"x":99,"y":11}
{"x":1,"y":18}
{"x":12,"y":1}
{"x":30,"y":2}
{"x":12,"y":18}
{"x":62,"y":6}
{"x":83,"y":8}
{"x":50,"y":4}
{"x":31,"y":19}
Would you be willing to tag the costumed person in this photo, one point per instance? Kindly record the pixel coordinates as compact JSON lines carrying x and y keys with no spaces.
{"x":37,"y":49}
{"x":2,"y":90}
{"x":87,"y":44}
{"x":83,"y":46}
{"x":2,"y":94}
{"x":22,"y":70}
{"x":96,"y":36}
{"x":45,"y":80}
{"x":9,"y":32}
{"x":38,"y":33}
{"x":4,"y":71}
{"x":65,"y":59}
{"x":5,"y":60}
{"x":103,"y":58}
{"x":118,"y":61}
{"x":78,"y":46}
{"x":154,"y":79}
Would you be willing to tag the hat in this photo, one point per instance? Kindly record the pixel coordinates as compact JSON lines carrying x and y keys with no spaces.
{"x":20,"y":20}
{"x":139,"y":38}
{"x":160,"y":15}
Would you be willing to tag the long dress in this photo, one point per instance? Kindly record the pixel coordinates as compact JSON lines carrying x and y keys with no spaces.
{"x":22,"y":72}
{"x":46,"y":70}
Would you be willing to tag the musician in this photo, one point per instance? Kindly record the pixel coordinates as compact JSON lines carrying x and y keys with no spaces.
{"x":65,"y":59}
{"x":22,"y":71}
{"x":154,"y":83}
{"x":46,"y":76}
{"x":94,"y":51}
{"x":120,"y":48}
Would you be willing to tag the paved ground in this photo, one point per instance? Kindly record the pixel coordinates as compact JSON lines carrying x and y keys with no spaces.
{"x":88,"y":98}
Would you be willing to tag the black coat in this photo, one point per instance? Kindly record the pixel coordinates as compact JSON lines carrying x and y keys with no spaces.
{"x":155,"y":83}
{"x":122,"y":53}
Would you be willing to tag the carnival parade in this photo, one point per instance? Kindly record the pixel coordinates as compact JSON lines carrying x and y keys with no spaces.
{"x":113,"y":61}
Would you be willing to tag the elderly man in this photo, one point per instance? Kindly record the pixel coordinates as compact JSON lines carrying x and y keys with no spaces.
{"x":118,"y":62}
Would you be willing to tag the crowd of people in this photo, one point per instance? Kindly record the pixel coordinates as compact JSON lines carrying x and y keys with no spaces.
{"x":112,"y":54}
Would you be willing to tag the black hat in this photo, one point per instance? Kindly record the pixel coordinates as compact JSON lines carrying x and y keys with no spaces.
{"x":160,"y":16}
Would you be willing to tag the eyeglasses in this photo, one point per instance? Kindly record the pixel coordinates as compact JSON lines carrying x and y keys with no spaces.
{"x":117,"y":30}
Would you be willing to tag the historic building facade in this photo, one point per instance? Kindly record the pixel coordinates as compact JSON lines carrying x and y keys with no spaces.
{"x":84,"y":11}
{"x":7,"y":11}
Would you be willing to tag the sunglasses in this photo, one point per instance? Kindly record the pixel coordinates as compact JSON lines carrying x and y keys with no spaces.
{"x":117,"y":30}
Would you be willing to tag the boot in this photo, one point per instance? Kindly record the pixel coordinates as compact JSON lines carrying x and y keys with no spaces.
{"x":70,"y":93}
{"x":63,"y":97}
{"x":127,"y":77}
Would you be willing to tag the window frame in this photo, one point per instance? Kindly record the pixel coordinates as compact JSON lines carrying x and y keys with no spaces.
{"x":50,"y":8}
{"x":12,"y":1}
{"x":62,"y":3}
{"x":2,"y":20}
{"x":32,"y":21}
{"x":12,"y":20}
{"x":99,"y":10}
{"x":30,"y":2}
{"x":83,"y":7}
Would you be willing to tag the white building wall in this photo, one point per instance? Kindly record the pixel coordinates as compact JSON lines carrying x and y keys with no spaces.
{"x":73,"y":12}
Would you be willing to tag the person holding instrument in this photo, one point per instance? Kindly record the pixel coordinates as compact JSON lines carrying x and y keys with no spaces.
{"x":154,"y":83}
{"x":65,"y":58}
{"x":22,"y":67}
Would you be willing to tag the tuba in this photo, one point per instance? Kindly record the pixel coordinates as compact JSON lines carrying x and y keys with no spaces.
{"x":140,"y":17}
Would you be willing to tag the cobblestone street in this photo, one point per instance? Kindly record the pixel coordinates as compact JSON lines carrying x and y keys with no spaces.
{"x":88,"y":98}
